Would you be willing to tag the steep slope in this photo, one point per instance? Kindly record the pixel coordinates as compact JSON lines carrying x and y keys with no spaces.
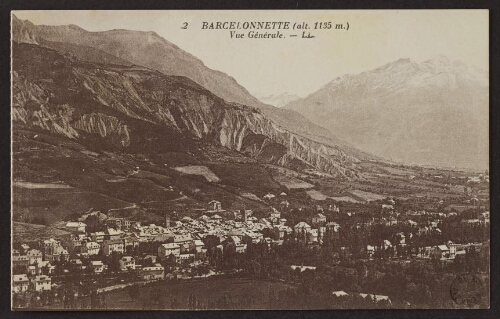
{"x":435,"y":112}
{"x":152,"y":51}
{"x":141,"y":48}
{"x":136,"y":110}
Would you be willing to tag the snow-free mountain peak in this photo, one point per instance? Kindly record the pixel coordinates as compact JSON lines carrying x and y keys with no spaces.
{"x":433,"y":112}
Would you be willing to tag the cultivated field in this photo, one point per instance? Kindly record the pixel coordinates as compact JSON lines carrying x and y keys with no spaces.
{"x":367,"y":196}
{"x":50,"y":205}
{"x":317,"y":195}
{"x":23,"y":232}
{"x":198,"y":170}
{"x":344,"y":199}
{"x":39,"y":185}
{"x":291,"y":182}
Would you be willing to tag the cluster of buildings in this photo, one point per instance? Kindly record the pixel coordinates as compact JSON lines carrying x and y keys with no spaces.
{"x":32,"y":267}
{"x":428,"y":225}
{"x":182,"y":241}
{"x":482,"y":218}
{"x":22,"y":283}
{"x":450,"y":250}
{"x":447,"y":251}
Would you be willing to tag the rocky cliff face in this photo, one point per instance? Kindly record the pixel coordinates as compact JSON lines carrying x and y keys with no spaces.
{"x":236,"y":126}
{"x":148,"y":49}
{"x":105,"y":126}
{"x":127,"y":106}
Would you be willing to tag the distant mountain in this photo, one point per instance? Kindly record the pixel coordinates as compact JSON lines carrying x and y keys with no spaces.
{"x":148,"y":49}
{"x":279,"y":100}
{"x":434,"y":112}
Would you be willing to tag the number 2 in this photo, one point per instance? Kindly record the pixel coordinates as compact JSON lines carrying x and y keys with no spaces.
{"x":184,"y":25}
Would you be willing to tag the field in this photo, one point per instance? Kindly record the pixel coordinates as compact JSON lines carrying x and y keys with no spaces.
{"x":289,"y":178}
{"x":249,"y":177}
{"x":291,"y":182}
{"x":344,"y":199}
{"x":243,"y":293}
{"x":57,"y":179}
{"x":317,"y":195}
{"x":39,"y":185}
{"x":367,"y":196}
{"x":199,"y":170}
{"x":23,"y":232}
{"x":50,"y":205}
{"x":251,"y":196}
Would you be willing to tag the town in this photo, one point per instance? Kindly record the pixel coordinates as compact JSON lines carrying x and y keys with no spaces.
{"x":100,"y":253}
{"x":152,"y":170}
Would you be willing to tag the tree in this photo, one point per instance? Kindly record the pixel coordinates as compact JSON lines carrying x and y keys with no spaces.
{"x":211,"y":242}
{"x":134,"y":292}
{"x":93,"y":224}
{"x":253,"y":268}
{"x":114,"y":262}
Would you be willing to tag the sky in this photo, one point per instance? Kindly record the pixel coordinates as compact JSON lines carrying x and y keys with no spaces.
{"x":293,"y":64}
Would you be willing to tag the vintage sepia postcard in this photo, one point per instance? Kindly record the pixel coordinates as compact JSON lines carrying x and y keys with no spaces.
{"x":167,"y":160}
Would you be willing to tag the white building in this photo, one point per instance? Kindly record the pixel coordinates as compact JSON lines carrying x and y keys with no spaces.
{"x":98,"y":236}
{"x":333,"y":226}
{"x":186,"y":257}
{"x":97,"y":266}
{"x":269,"y":196}
{"x":76,"y":226}
{"x":41,"y":283}
{"x":302,"y":268}
{"x":216,"y":218}
{"x":169,"y":249}
{"x":302,"y":227}
{"x":20,"y":283}
{"x":128,"y":262}
{"x":199,"y":245}
{"x":92,"y":248}
{"x":340,"y":293}
{"x":35,"y":256}
{"x":109,"y":246}
{"x":376,"y":298}
{"x":152,"y":273}
{"x":215,"y":206}
{"x":319,"y":219}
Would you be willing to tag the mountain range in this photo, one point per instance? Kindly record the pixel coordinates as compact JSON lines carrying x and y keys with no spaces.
{"x":127,"y":119}
{"x":129,"y":49}
{"x":434,"y":112}
{"x":148,"y":49}
{"x":110,"y":132}
{"x":278,"y":100}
